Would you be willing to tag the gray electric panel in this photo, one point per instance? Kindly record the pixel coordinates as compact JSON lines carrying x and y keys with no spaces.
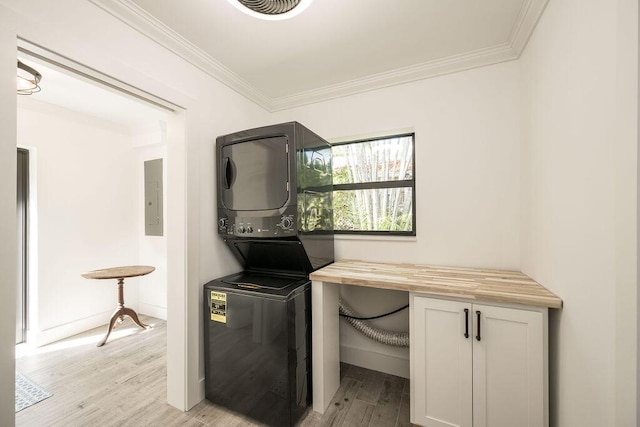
{"x":153,"y":197}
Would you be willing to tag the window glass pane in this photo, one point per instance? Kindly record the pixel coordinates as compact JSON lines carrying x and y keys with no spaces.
{"x":388,"y":159}
{"x":382,"y":209}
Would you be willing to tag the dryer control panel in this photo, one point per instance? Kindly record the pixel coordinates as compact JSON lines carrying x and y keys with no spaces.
{"x":277,"y":226}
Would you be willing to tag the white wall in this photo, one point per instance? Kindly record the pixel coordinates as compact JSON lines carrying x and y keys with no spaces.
{"x":86,"y":210}
{"x":210,"y":109}
{"x":150,"y":143}
{"x":467,"y":148}
{"x":579,"y":85}
{"x":88,"y":213}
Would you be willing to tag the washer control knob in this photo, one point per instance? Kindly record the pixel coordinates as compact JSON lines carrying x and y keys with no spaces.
{"x":241,"y":229}
{"x":222,"y":222}
{"x":249,"y":229}
{"x":286,"y":223}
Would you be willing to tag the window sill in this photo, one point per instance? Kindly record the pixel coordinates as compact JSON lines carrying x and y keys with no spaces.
{"x":381,"y":238}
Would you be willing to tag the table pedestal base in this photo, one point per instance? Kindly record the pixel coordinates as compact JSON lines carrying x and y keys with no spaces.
{"x":121,"y":311}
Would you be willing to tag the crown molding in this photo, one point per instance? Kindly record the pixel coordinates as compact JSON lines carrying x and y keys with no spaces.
{"x":527,"y":21}
{"x":511,"y":50}
{"x":398,"y":76}
{"x":134,"y":16}
{"x":141,"y":21}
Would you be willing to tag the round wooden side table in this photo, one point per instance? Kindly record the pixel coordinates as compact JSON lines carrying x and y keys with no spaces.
{"x":120,"y":273}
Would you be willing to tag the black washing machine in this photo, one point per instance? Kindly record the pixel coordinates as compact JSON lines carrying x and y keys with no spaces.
{"x":275,"y":213}
{"x":258,"y":345}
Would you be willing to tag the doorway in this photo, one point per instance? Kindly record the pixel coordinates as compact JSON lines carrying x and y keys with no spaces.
{"x":86,"y":162}
{"x":175,"y":226}
{"x":22,"y":206}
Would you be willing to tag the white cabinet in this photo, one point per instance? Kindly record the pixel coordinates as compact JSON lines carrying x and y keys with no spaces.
{"x":477,"y":365}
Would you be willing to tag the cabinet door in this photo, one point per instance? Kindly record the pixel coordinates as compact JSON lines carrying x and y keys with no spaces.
{"x":440,"y":363}
{"x":508,"y":367}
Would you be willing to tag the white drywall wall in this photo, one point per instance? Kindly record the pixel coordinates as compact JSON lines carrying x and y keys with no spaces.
{"x":86,"y":217}
{"x":467,"y":148}
{"x":579,"y":195}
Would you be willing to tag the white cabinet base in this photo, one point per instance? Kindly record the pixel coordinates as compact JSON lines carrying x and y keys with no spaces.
{"x":441,"y":364}
{"x":495,"y":376}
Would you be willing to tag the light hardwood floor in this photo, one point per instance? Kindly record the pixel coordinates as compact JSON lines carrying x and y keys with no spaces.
{"x":124,"y":384}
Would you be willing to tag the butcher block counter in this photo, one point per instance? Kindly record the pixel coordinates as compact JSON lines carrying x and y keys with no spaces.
{"x":509,"y":305}
{"x":469,"y":283}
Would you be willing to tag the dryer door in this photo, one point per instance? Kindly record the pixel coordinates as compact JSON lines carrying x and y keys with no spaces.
{"x":254,"y":174}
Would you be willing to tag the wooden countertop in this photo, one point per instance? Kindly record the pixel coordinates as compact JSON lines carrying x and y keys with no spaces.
{"x":469,"y":283}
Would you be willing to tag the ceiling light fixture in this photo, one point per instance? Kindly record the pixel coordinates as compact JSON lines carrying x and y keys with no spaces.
{"x":272,"y":10}
{"x":27,"y":79}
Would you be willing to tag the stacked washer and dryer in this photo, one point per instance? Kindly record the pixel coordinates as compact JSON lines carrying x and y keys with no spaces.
{"x":275,"y":214}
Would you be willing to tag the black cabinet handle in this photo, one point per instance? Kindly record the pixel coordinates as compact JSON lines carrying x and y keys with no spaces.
{"x":478,"y":336}
{"x":466,"y":323}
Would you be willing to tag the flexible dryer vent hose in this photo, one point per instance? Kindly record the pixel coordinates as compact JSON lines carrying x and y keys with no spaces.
{"x":396,"y":339}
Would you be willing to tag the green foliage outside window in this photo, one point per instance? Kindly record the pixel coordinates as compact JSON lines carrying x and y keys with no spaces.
{"x":374,"y":186}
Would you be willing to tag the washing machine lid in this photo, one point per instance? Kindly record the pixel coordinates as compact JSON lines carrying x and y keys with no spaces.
{"x":256,"y":281}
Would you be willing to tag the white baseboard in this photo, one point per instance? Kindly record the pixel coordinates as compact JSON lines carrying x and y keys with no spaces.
{"x":392,"y":365}
{"x":57,"y":333}
{"x":152,"y":310}
{"x":40,"y":338}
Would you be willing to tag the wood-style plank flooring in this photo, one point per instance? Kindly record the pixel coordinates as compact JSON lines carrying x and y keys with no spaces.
{"x":124,"y":384}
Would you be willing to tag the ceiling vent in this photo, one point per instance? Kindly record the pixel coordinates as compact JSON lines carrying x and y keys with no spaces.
{"x":271,"y":9}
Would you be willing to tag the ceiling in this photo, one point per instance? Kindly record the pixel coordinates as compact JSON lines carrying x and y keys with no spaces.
{"x":335,"y":47}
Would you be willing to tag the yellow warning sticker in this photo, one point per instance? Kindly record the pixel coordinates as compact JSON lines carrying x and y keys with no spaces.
{"x":219,"y":307}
